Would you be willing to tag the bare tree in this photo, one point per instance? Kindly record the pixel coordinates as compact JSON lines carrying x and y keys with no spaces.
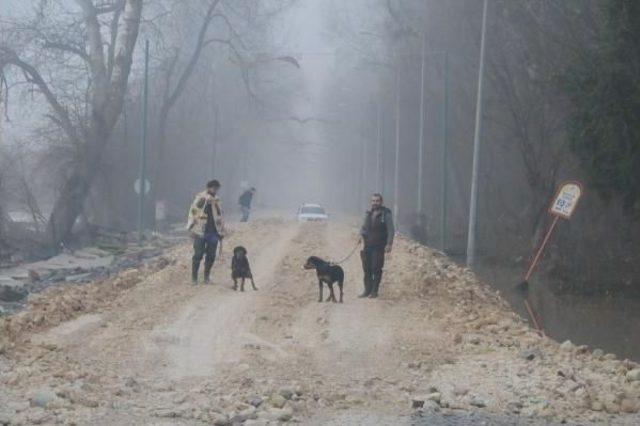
{"x":100,"y":36}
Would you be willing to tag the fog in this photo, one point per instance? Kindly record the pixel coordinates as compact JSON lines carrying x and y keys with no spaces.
{"x":315,"y":101}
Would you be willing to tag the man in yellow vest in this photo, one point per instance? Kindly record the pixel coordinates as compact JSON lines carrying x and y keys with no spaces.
{"x":206,"y":226}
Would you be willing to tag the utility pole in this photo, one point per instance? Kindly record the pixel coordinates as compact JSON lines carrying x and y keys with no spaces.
{"x":396,"y":184}
{"x":473,"y":204}
{"x":214,"y":144}
{"x":379,"y":147}
{"x":365,"y":187}
{"x":421,"y":132}
{"x":445,"y":142}
{"x":143,"y":145}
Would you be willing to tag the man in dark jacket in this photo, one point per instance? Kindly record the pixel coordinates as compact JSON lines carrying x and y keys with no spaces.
{"x":245,"y":203}
{"x":377,"y":233}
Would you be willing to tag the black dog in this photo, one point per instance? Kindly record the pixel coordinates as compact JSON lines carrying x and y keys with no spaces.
{"x":328,"y":274}
{"x":240,"y":268}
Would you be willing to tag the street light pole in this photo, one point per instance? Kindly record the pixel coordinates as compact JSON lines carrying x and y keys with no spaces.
{"x":143,"y":145}
{"x":445,"y":142}
{"x":421,"y":132}
{"x":379,"y":147}
{"x":473,"y":204}
{"x":397,"y":152}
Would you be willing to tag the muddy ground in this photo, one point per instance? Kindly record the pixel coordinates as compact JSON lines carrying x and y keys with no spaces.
{"x":438,"y":347}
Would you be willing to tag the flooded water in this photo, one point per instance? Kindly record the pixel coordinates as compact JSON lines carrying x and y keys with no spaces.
{"x":609,"y":323}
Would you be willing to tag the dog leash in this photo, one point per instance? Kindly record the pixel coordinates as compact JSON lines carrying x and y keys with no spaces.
{"x":348,"y":256}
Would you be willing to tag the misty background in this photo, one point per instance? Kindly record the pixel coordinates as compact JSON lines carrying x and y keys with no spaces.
{"x":320,"y":101}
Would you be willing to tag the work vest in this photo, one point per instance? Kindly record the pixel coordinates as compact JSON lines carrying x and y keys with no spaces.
{"x":377,"y":228}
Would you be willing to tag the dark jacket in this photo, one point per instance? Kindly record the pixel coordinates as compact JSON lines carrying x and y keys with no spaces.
{"x":378,"y":231}
{"x":245,"y":199}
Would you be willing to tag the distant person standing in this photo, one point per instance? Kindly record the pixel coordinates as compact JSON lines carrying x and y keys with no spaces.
{"x":377,"y":233}
{"x":206,"y":226}
{"x":245,"y":203}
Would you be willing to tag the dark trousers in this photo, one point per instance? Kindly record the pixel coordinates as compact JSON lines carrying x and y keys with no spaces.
{"x":245,"y":213}
{"x":204,"y":246}
{"x":372,"y":264}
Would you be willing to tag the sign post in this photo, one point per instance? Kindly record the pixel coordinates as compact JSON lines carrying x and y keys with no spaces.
{"x":563,"y":206}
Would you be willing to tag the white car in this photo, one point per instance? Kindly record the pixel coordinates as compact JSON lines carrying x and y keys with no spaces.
{"x":312,"y":213}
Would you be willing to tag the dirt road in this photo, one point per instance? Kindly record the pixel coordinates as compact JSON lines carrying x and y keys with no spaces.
{"x":149,"y":348}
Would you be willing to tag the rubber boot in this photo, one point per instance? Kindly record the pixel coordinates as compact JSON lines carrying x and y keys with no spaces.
{"x":194,"y":272}
{"x":367,"y":288}
{"x":207,"y":271}
{"x":375,"y":284}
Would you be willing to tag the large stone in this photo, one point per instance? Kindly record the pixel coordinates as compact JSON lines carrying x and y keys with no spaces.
{"x":43,"y":398}
{"x":460,"y":390}
{"x":567,"y":346}
{"x":634,"y":375}
{"x":629,"y":406}
{"x":478,"y":402}
{"x":277,"y":414}
{"x":11,"y":294}
{"x":287,"y":392}
{"x":277,"y":400}
{"x":218,"y":419}
{"x":244,"y":415}
{"x":611,"y":407}
{"x":256,"y":401}
{"x":597,"y":406}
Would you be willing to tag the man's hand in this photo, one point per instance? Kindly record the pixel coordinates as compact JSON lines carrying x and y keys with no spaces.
{"x":388,"y":248}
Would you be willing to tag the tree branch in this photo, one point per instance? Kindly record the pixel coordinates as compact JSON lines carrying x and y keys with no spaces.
{"x":195,"y":55}
{"x":10,"y":57}
{"x":66,"y":48}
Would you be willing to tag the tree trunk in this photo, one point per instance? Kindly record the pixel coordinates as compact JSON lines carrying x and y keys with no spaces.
{"x":70,"y":202}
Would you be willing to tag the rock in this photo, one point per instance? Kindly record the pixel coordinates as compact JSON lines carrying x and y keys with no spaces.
{"x":597,"y":406}
{"x":34,"y":276}
{"x":300,"y":406}
{"x":582,"y":349}
{"x":130,"y":382}
{"x":256,"y":401}
{"x":38,"y":417}
{"x":277,"y":400}
{"x":610,"y":357}
{"x":11,"y":294}
{"x":598,"y":353}
{"x":515,"y":407}
{"x":567,"y":346}
{"x":180,"y":399}
{"x":417,"y":402}
{"x":459,"y":390}
{"x":256,"y":422}
{"x":5,"y":418}
{"x":435,"y":397}
{"x":286,"y":392}
{"x":43,"y":398}
{"x":218,"y":419}
{"x":530,"y":354}
{"x":278,"y":414}
{"x":634,"y":375}
{"x":611,"y":407}
{"x":244,"y":415}
{"x":629,"y":406}
{"x":477,"y":402}
{"x":168,"y":413}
